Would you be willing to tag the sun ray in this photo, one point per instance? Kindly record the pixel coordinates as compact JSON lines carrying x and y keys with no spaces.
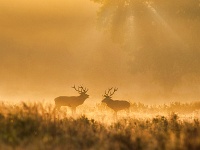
{"x":162,"y":21}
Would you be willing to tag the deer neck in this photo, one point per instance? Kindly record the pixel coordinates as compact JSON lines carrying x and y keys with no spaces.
{"x":82,"y":97}
{"x":109,"y":100}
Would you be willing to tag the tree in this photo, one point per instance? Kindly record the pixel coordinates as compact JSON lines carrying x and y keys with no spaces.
{"x":162,"y":36}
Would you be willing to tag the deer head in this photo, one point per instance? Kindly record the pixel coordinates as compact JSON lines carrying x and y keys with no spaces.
{"x":82,"y":91}
{"x":108,"y":95}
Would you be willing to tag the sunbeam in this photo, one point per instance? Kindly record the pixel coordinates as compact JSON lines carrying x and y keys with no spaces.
{"x":162,"y":21}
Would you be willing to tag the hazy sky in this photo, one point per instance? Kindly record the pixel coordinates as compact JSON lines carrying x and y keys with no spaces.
{"x":46,"y":46}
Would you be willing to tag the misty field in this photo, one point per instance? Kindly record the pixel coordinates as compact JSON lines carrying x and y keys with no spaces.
{"x":40,"y":126}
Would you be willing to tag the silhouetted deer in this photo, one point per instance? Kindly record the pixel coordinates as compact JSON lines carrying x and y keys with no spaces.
{"x":72,"y":101}
{"x":116,"y":105}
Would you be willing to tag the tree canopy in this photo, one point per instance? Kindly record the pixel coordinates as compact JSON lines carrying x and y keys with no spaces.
{"x":162,"y":36}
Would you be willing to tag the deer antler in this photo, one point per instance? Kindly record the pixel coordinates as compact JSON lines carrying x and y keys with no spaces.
{"x":109,"y":94}
{"x":77,"y":89}
{"x":106,"y":94}
{"x":85,"y":90}
{"x":115,"y":89}
{"x":80,"y":89}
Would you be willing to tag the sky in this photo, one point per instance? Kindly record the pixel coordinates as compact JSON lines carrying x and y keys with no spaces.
{"x":47,"y":46}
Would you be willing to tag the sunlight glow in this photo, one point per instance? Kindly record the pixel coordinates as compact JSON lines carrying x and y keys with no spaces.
{"x":162,"y":21}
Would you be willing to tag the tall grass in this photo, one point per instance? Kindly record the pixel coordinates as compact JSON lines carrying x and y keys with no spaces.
{"x":41,"y":127}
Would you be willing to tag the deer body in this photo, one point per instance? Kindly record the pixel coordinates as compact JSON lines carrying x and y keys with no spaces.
{"x":116,"y":105}
{"x":72,"y":101}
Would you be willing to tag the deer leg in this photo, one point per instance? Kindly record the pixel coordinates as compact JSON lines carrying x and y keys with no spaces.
{"x":73,"y":111}
{"x":128,"y":111}
{"x":57,"y":107}
{"x":115,"y":115}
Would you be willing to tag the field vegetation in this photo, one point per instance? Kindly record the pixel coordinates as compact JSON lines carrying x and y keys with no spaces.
{"x":39,"y":126}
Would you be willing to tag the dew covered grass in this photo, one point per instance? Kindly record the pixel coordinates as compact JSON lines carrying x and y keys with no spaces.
{"x":38,"y":126}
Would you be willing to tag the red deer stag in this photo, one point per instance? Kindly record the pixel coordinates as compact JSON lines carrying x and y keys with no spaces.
{"x":116,"y":105}
{"x":72,"y":101}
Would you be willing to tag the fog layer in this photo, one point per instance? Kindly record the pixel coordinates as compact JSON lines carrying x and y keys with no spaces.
{"x":150,"y":51}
